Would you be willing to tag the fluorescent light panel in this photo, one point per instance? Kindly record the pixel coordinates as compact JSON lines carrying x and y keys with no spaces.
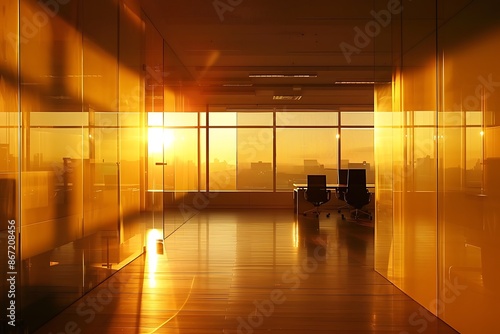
{"x":360,"y":82}
{"x":354,"y":82}
{"x":287,"y":97}
{"x":304,"y":75}
{"x":238,"y":85}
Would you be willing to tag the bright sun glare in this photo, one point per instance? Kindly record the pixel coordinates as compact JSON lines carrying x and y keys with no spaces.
{"x":159,"y":139}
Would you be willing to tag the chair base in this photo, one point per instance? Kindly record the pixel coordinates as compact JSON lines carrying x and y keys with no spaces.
{"x":343,"y":207}
{"x":357,"y":213}
{"x":316,"y":212}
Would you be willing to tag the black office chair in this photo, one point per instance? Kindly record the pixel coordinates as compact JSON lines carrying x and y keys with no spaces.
{"x":357,"y":195}
{"x":316,"y":193}
{"x":340,"y":192}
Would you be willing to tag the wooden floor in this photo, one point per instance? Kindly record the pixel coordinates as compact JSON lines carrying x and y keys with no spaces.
{"x":251,"y":271}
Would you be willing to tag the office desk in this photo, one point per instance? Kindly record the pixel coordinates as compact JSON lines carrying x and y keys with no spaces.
{"x":301,"y":204}
{"x":330,"y":186}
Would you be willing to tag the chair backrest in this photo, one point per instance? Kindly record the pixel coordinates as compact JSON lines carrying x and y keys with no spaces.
{"x":357,"y":194}
{"x":316,"y":189}
{"x":342,"y":179}
{"x":356,"y":177}
{"x":357,"y":197}
{"x":342,"y":176}
{"x":316,"y":181}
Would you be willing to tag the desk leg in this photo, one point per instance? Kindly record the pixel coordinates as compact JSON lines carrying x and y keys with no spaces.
{"x":295,"y":200}
{"x":298,"y":201}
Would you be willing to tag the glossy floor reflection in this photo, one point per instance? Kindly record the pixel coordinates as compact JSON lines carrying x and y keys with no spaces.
{"x":251,"y":271}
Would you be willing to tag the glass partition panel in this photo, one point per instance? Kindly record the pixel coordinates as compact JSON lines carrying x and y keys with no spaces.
{"x":424,"y":118}
{"x":154,"y":98}
{"x":10,"y":220}
{"x":101,"y":169}
{"x":54,"y":160}
{"x":474,"y":158}
{"x":468,"y":215}
{"x":61,"y":101}
{"x":406,"y":145}
{"x":474,"y":149}
{"x":63,"y":119}
{"x":383,"y":155}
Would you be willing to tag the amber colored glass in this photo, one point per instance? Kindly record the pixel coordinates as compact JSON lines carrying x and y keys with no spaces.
{"x":437,"y":162}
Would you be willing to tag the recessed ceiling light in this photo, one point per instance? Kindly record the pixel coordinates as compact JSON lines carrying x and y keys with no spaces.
{"x":304,"y":75}
{"x":354,"y":82}
{"x":238,"y":85}
{"x":287,"y":97}
{"x":360,"y":82}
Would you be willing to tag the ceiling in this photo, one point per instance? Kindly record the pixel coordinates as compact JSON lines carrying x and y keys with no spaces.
{"x":247,"y":52}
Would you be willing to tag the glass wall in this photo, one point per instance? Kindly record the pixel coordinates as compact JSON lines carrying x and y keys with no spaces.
{"x":437,"y":162}
{"x":10,"y":223}
{"x":71,"y":115}
{"x":469,"y":164}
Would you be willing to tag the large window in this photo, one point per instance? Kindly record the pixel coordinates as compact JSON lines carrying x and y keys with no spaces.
{"x":256,"y":150}
{"x":357,"y":150}
{"x":302,"y":151}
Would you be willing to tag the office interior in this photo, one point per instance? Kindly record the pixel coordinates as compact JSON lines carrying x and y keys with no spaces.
{"x":112,"y":118}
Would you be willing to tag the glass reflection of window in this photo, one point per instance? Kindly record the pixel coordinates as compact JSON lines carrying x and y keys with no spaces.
{"x":474,"y":157}
{"x":424,"y":118}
